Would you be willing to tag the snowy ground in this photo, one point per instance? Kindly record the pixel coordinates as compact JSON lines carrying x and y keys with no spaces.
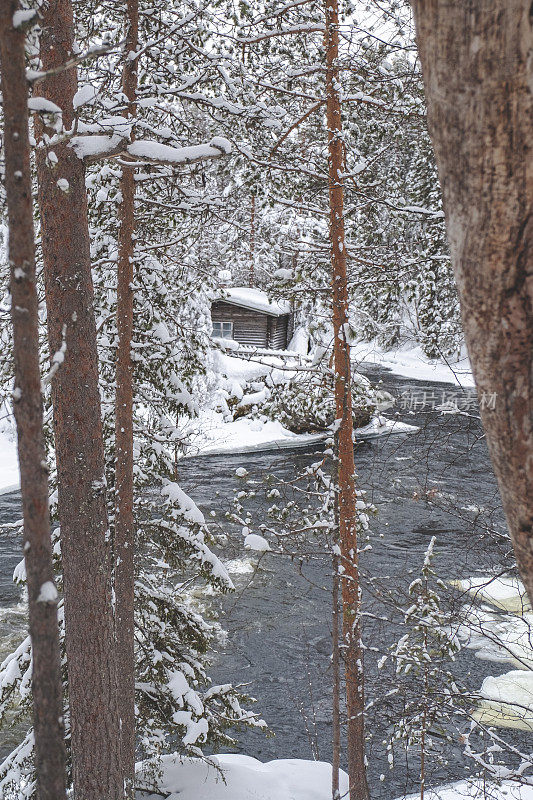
{"x":411,"y":362}
{"x":239,"y":777}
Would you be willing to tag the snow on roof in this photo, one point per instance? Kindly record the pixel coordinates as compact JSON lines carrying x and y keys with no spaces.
{"x":254,"y":299}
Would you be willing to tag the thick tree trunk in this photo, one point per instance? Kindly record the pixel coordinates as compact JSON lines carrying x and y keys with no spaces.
{"x":90,"y":641}
{"x":351,"y":600}
{"x":46,"y":675}
{"x":477,"y":60}
{"x":124,"y":522}
{"x":251,"y":279}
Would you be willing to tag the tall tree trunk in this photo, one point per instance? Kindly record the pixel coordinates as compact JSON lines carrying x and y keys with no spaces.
{"x":46,"y":674}
{"x":124,"y":522}
{"x":252,"y":242}
{"x":351,"y":598}
{"x":477,"y":60}
{"x":336,"y":666}
{"x":87,"y":567}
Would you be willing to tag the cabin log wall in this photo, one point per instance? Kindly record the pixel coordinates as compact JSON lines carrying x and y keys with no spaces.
{"x":249,"y":327}
{"x":253,"y":327}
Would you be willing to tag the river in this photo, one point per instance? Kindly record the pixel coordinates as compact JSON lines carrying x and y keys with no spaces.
{"x":435,"y":482}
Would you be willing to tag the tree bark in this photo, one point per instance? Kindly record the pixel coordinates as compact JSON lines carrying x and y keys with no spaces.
{"x":336,"y":666}
{"x":251,"y":279}
{"x":85,"y":540}
{"x":477,"y":60}
{"x":347,"y":499}
{"x":124,"y":522}
{"x":46,"y":674}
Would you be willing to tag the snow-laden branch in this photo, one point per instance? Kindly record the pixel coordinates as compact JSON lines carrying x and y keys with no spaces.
{"x":311,"y":28}
{"x":36,"y":76}
{"x":94,"y":148}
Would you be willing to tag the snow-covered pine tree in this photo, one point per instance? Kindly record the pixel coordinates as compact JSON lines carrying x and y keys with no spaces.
{"x":422,"y":657}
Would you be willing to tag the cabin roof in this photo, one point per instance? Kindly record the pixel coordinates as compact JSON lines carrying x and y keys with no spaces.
{"x":255,"y":300}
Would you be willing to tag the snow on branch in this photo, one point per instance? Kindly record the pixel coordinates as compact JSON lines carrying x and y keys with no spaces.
{"x":36,"y":76}
{"x":279,"y":12}
{"x":164,"y":154}
{"x":95,"y":148}
{"x":311,"y":28}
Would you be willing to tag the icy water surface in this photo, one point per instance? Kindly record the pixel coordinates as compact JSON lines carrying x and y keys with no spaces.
{"x":437,"y":482}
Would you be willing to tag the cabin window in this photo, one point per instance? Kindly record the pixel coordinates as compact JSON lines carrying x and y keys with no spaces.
{"x":223,"y":330}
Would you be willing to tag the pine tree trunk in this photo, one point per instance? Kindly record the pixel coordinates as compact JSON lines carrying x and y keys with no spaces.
{"x":87,"y":567}
{"x":336,"y":666}
{"x":477,"y":63}
{"x":46,"y":675}
{"x":124,"y":522}
{"x":347,"y":498}
{"x":252,"y":242}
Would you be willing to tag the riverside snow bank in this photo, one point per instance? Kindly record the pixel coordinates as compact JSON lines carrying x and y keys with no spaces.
{"x":413,"y":363}
{"x":239,"y":777}
{"x":244,"y":435}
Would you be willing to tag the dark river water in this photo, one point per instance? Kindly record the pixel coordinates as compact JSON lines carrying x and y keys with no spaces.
{"x":435,"y":482}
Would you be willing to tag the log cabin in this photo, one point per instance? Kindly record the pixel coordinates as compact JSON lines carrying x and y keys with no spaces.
{"x":247,"y":316}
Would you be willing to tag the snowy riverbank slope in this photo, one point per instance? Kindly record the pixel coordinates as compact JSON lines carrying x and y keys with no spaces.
{"x":244,"y":379}
{"x":240,"y":777}
{"x":411,"y":362}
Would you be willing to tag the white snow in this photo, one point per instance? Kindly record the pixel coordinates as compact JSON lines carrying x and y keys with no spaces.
{"x":477,"y":789}
{"x":245,"y":435}
{"x":21,"y":17}
{"x":85,"y":94}
{"x":94,"y":146}
{"x":161,"y":331}
{"x":255,"y":300}
{"x":504,"y":592}
{"x":221,"y":144}
{"x":507,"y":700}
{"x":47,"y":593}
{"x":379,"y":426}
{"x":255,"y":542}
{"x":283,"y":274}
{"x":214,"y":433}
{"x":300,"y":341}
{"x":187,"y":506}
{"x":155,"y":151}
{"x":412,"y":362}
{"x":240,"y":777}
{"x":9,"y":465}
{"x":40,"y":104}
{"x":501,"y":632}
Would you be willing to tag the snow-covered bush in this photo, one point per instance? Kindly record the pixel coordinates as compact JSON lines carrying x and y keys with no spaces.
{"x":307,"y":403}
